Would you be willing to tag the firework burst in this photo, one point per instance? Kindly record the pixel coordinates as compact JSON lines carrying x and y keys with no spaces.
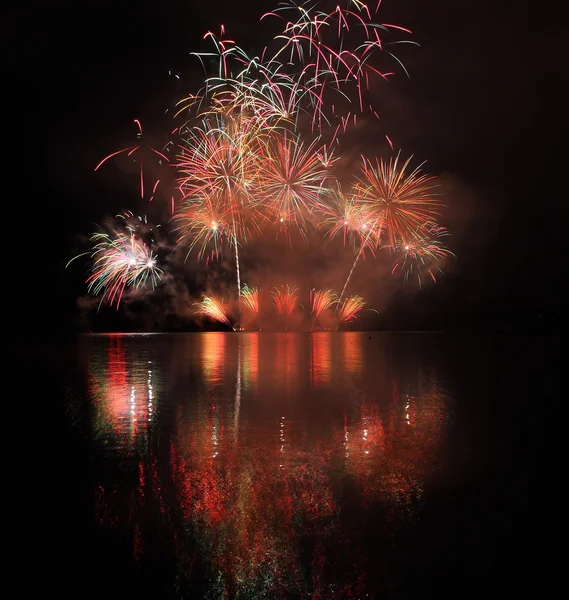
{"x":213,"y":309}
{"x":396,"y":201}
{"x":204,"y":224}
{"x":142,"y":154}
{"x":292,"y":179}
{"x":322,"y":300}
{"x":346,"y":215}
{"x":285,"y":298}
{"x":350,"y":308}
{"x":250,"y":298}
{"x":120,"y":260}
{"x":422,"y":254}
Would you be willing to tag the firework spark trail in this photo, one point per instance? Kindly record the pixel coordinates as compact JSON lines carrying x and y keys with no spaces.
{"x":285,"y":299}
{"x":371,"y":232}
{"x":350,"y":274}
{"x":131,"y":151}
{"x":350,"y":308}
{"x":213,"y":309}
{"x":250,"y":297}
{"x":322,"y":300}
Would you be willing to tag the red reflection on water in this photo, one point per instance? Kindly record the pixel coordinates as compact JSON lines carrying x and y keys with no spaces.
{"x":243,"y":508}
{"x":352,"y":353}
{"x":286,"y":363}
{"x":124,"y":397}
{"x":213,"y":355}
{"x":114,"y":386}
{"x":263,"y":515}
{"x":320,"y":358}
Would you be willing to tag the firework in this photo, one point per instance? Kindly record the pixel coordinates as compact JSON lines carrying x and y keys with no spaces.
{"x":218,"y":167}
{"x":250,"y":298}
{"x":213,"y":309}
{"x":120,"y":261}
{"x":285,"y":298}
{"x":292,"y":179}
{"x":331,"y":52}
{"x":255,"y":147}
{"x":322,"y":300}
{"x":350,"y":308}
{"x":138,"y":151}
{"x":139,"y":226}
{"x":205,"y":225}
{"x":421,"y":255}
{"x":346,"y":214}
{"x":396,"y":201}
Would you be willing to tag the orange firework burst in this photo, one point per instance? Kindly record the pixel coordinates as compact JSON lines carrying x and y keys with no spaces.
{"x":219,"y":164}
{"x":285,"y":298}
{"x":322,"y":300}
{"x":205,"y":223}
{"x":348,"y":215}
{"x":397,"y":203}
{"x":350,"y":308}
{"x":292,"y":178}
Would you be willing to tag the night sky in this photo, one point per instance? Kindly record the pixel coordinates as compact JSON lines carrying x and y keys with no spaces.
{"x":481,"y":107}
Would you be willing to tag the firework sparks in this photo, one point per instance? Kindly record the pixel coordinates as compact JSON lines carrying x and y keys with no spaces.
{"x":141,"y":153}
{"x":213,"y":309}
{"x":285,"y":298}
{"x":396,"y":201}
{"x":422,"y":254}
{"x":346,"y":214}
{"x":292,"y":180}
{"x":322,"y":300}
{"x":250,"y":298}
{"x":350,"y":308}
{"x":120,"y":260}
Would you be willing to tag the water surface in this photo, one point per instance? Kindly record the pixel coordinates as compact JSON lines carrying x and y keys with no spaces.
{"x":285,"y":465}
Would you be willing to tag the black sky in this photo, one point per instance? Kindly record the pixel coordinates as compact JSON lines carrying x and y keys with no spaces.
{"x":482,"y":107}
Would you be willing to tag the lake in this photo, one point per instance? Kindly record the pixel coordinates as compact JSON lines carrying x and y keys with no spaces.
{"x":287,"y":465}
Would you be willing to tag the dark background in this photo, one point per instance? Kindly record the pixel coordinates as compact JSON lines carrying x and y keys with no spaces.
{"x":482,"y":106}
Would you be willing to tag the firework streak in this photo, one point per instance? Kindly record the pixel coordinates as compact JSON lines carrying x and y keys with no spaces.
{"x":285,"y":298}
{"x":250,"y":298}
{"x":322,"y":300}
{"x":350,"y":308}
{"x":212,"y":309}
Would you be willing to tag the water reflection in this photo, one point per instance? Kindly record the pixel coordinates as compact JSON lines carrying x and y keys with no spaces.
{"x":321,"y":358}
{"x":250,"y":347}
{"x":266,"y":476}
{"x":124,"y":393}
{"x":213,"y":351}
{"x":352,"y":352}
